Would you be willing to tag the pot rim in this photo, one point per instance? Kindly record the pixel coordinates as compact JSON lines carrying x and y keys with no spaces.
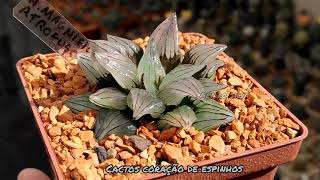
{"x":45,"y":137}
{"x":54,"y":160}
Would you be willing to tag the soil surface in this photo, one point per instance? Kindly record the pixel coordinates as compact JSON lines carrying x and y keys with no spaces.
{"x":258,"y":121}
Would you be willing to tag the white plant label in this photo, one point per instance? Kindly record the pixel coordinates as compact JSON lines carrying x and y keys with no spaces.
{"x":51,"y":27}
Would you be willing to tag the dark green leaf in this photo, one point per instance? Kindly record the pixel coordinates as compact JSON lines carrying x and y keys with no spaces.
{"x":150,"y":70}
{"x":113,"y":122}
{"x":80,"y":103}
{"x":180,"y":72}
{"x":111,"y":98}
{"x":123,"y":70}
{"x":128,"y":47}
{"x":86,"y":65}
{"x":210,"y":86}
{"x":210,"y":114}
{"x":103,"y":46}
{"x":205,"y":54}
{"x":143,"y":102}
{"x":174,"y":93}
{"x":94,"y":48}
{"x":182,"y":116}
{"x":117,"y":45}
{"x":212,"y":68}
{"x":166,"y":39}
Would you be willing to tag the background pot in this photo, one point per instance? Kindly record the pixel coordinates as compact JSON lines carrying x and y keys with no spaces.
{"x":259,"y":163}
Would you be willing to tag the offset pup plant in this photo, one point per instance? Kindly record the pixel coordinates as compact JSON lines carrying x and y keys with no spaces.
{"x":159,"y":84}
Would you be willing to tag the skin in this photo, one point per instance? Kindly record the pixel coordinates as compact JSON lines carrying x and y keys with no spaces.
{"x":32,"y":174}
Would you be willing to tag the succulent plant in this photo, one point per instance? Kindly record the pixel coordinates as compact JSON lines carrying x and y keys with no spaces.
{"x":158,"y":84}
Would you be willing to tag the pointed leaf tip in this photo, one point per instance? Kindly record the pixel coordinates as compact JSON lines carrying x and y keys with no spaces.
{"x":143,"y":102}
{"x":182,"y":116}
{"x":111,"y":98}
{"x":86,"y":64}
{"x":210,"y":86}
{"x":205,"y":54}
{"x":113,"y":122}
{"x":210,"y":114}
{"x":174,"y":93}
{"x":123,"y":70}
{"x":180,"y":72}
{"x":80,"y":103}
{"x":126,"y":46}
{"x":166,"y":39}
{"x":117,"y":45}
{"x":150,"y":70}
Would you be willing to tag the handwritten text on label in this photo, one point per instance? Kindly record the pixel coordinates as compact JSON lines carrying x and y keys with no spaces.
{"x":50,"y":26}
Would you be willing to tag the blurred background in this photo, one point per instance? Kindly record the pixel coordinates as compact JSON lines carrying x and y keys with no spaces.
{"x":276,"y":41}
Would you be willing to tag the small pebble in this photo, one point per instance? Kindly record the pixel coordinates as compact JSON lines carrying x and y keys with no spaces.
{"x":139,"y":142}
{"x":102,"y":153}
{"x":111,"y":153}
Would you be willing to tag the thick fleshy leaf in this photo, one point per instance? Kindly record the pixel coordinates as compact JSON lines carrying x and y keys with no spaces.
{"x":80,"y":103}
{"x":103,"y":46}
{"x":143,"y":102}
{"x":180,"y":72}
{"x":94,"y":48}
{"x":110,"y":97}
{"x":86,"y":65}
{"x":123,"y":70}
{"x":174,"y":93}
{"x":150,"y":70}
{"x":166,"y":39}
{"x":212,"y":68}
{"x":113,"y":122}
{"x":182,"y":116}
{"x":210,"y":86}
{"x":117,"y":45}
{"x":127,"y":46}
{"x":210,"y":114}
{"x":205,"y":54}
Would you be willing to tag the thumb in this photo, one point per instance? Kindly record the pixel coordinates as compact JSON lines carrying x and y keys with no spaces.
{"x":32,"y":174}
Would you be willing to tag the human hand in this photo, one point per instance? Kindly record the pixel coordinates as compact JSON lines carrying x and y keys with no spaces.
{"x":32,"y":174}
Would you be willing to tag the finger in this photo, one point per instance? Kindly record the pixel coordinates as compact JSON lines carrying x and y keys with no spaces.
{"x":32,"y":174}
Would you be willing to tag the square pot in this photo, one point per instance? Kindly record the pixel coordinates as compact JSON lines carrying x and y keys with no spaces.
{"x":259,"y":163}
